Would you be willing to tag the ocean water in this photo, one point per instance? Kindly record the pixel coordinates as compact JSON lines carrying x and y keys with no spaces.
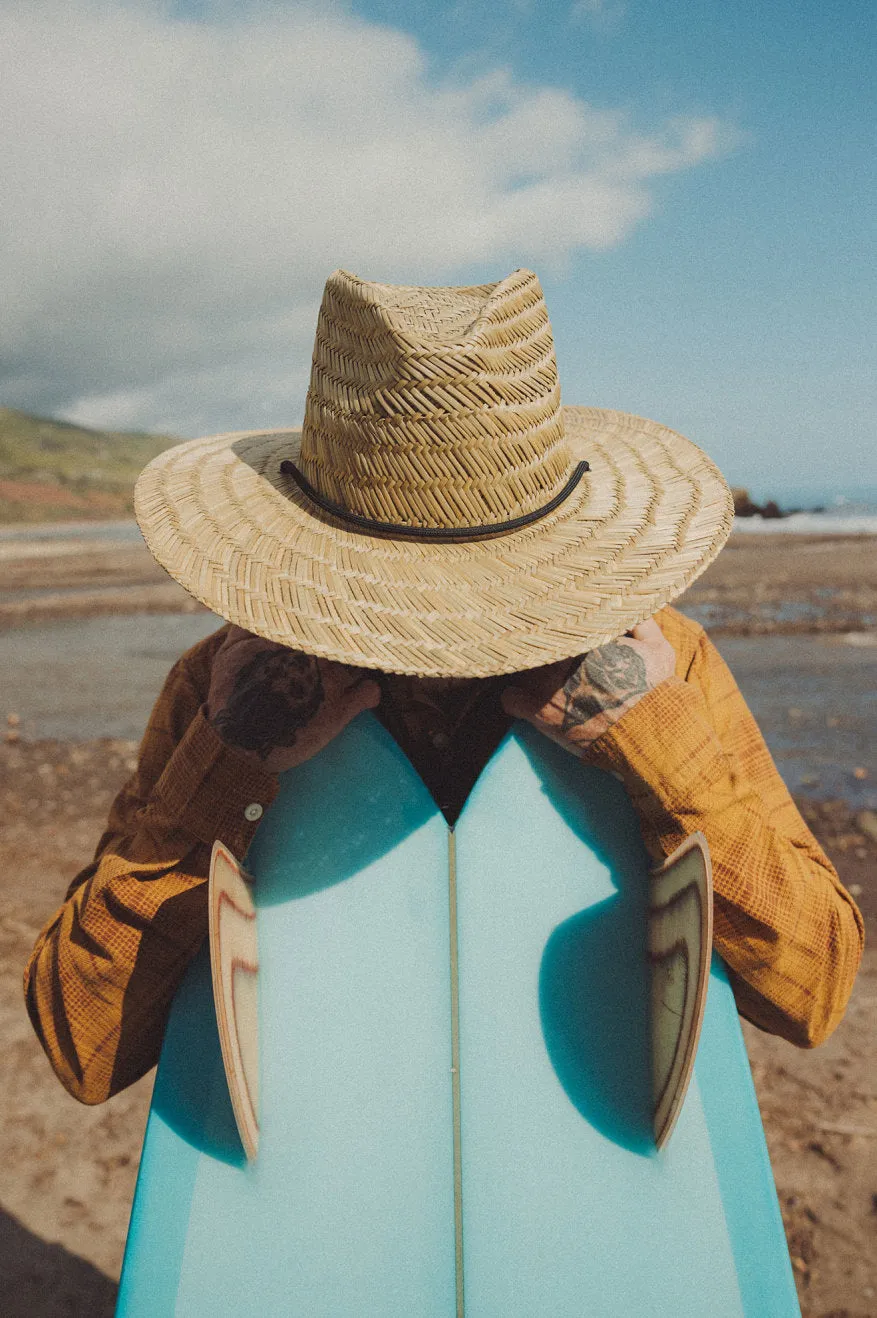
{"x":804,"y":523}
{"x":840,"y":515}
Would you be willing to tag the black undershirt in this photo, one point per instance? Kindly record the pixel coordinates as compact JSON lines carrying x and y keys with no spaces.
{"x":448,"y":738}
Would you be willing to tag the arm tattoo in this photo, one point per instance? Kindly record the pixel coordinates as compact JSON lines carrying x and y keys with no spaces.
{"x":605,"y":679}
{"x":273,"y":697}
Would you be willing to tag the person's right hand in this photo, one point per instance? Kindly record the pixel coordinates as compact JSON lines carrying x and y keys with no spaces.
{"x":281,"y":706}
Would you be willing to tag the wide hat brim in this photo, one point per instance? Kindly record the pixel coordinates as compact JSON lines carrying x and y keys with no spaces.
{"x":240,"y":536}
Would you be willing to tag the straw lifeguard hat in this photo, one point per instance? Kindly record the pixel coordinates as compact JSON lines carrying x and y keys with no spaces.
{"x":439,"y":513}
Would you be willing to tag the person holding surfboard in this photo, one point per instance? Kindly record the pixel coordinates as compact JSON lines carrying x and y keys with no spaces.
{"x":445,"y":545}
{"x":449,"y":632}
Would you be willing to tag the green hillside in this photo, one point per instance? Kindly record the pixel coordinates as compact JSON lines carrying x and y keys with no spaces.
{"x":55,"y":471}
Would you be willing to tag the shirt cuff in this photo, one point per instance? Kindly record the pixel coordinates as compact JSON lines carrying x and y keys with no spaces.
{"x":211,"y":791}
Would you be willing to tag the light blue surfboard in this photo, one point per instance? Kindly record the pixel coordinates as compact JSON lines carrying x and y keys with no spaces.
{"x":455,"y":1087}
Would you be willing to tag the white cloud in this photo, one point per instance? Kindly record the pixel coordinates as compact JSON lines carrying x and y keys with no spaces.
{"x":177,"y":192}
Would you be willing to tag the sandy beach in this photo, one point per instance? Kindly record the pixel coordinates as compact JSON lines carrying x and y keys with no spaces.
{"x":69,"y":1171}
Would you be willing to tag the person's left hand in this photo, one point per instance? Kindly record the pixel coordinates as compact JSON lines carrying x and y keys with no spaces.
{"x":574,"y":706}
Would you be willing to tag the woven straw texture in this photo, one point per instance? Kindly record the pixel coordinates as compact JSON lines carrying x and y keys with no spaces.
{"x":650,"y":515}
{"x":434,"y":407}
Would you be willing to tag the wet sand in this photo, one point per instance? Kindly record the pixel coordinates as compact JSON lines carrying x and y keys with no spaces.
{"x":788,"y":585}
{"x":69,"y":1171}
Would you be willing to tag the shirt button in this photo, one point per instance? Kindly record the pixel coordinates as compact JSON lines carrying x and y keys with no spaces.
{"x":441,"y":741}
{"x":253,"y":812}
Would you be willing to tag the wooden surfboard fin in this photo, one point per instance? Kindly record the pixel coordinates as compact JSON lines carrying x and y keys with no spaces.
{"x":234,"y":964}
{"x":679,"y":950}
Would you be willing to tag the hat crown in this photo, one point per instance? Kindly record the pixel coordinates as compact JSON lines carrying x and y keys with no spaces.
{"x":434,"y":407}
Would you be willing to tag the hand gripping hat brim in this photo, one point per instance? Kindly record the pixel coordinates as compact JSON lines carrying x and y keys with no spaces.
{"x":369,"y":537}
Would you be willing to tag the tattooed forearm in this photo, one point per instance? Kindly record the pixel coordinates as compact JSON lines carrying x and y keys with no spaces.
{"x":605,"y":679}
{"x":274,"y":696}
{"x":604,"y":685}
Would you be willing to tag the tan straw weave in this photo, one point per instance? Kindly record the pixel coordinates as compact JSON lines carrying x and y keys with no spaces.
{"x":429,"y":410}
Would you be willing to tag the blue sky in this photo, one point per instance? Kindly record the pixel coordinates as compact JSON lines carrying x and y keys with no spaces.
{"x":744,"y":311}
{"x":694,"y":184}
